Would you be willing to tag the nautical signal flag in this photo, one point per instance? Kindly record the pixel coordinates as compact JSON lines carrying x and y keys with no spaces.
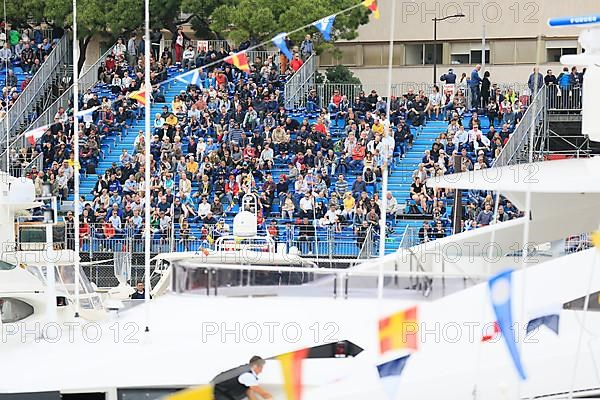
{"x":500,"y":288}
{"x":291,"y":367}
{"x":550,"y":321}
{"x":87,"y":111}
{"x":596,"y":240}
{"x":281,"y":44}
{"x":372,"y":5}
{"x":240,"y":60}
{"x":399,"y":331}
{"x":190,"y":78}
{"x":139,"y":96}
{"x":325,"y":25}
{"x":199,"y":393}
{"x":33,"y":135}
{"x":546,"y":314}
{"x":389,"y":374}
{"x":495,"y":331}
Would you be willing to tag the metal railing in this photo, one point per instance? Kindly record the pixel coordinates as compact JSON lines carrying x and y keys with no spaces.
{"x":535,"y":115}
{"x":563,"y":99}
{"x":298,"y":86}
{"x":87,"y":80}
{"x":325,"y":90}
{"x":255,"y":55}
{"x":19,"y":113}
{"x":216,"y":44}
{"x":95,"y":238}
{"x":410,"y":237}
{"x":89,"y":76}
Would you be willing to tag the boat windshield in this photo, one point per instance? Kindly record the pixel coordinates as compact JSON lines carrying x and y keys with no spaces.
{"x":4,"y":266}
{"x":295,"y":281}
{"x":65,"y":279}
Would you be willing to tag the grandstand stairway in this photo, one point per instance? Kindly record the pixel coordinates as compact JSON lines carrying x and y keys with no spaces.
{"x":400,"y":178}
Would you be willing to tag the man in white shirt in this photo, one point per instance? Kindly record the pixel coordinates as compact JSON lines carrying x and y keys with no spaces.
{"x":266,"y":156}
{"x":203,"y":208}
{"x":306,"y":206}
{"x":185,"y":185}
{"x":392,"y":205}
{"x":250,"y":380}
{"x":480,"y":141}
{"x":461,"y":137}
{"x":386,"y":147}
{"x":189,"y":57}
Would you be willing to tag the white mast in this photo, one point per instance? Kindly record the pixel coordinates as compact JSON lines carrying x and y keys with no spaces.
{"x":384,"y":169}
{"x":76,"y":166}
{"x":148,"y":89}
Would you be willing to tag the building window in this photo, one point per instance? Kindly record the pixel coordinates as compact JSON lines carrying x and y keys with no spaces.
{"x":414,"y":54}
{"x":460,"y":59}
{"x":557,"y":48}
{"x":421,"y":53}
{"x":429,"y":50}
{"x":476,"y":56}
{"x":553,"y":55}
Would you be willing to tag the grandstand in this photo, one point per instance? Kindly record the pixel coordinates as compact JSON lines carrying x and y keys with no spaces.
{"x":426,"y":146}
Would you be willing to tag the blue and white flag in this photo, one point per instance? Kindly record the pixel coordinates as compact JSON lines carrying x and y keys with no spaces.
{"x":500,"y":287}
{"x":190,"y":78}
{"x":86,"y":112}
{"x":324,"y":26}
{"x":389,"y":374}
{"x":279,"y":41}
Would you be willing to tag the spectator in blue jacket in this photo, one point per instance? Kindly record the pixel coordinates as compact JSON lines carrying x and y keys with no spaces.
{"x":531,"y":82}
{"x":474,"y":84}
{"x":449,"y":77}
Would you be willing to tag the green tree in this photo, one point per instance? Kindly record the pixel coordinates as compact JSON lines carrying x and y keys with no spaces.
{"x":339,"y":74}
{"x":236,"y":20}
{"x":262,"y":19}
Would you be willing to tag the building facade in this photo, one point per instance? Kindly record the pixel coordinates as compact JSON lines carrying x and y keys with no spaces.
{"x":517,"y":36}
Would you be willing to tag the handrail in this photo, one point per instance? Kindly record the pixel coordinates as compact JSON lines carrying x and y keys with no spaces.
{"x":38,"y":84}
{"x":515,"y":144}
{"x":367,"y":246}
{"x":88,"y":79}
{"x":424,"y":281}
{"x":216,"y":44}
{"x":301,"y":82}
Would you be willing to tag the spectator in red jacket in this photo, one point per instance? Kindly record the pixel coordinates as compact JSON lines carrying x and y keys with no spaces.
{"x":296,"y":62}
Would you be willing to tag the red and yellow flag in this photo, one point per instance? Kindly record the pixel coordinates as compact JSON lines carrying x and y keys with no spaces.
{"x":198,"y":393}
{"x":291,"y":366}
{"x":399,"y":331}
{"x":139,"y":95}
{"x":372,"y":5}
{"x":239,"y":60}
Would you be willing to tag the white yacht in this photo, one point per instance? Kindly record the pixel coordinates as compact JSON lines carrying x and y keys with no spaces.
{"x":208,"y":315}
{"x":200,"y":326}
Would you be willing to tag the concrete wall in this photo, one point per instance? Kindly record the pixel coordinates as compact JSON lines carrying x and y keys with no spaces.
{"x":499,"y":73}
{"x":503,"y":18}
{"x":517,"y":36}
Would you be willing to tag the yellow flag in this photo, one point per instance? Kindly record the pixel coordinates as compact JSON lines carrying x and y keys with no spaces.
{"x":596,"y":239}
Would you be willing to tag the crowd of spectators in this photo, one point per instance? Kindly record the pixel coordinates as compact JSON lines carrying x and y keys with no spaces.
{"x":220,"y":138}
{"x":228,"y":134}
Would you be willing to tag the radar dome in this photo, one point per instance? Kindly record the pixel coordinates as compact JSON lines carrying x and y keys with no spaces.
{"x":245,"y":224}
{"x":21,"y":190}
